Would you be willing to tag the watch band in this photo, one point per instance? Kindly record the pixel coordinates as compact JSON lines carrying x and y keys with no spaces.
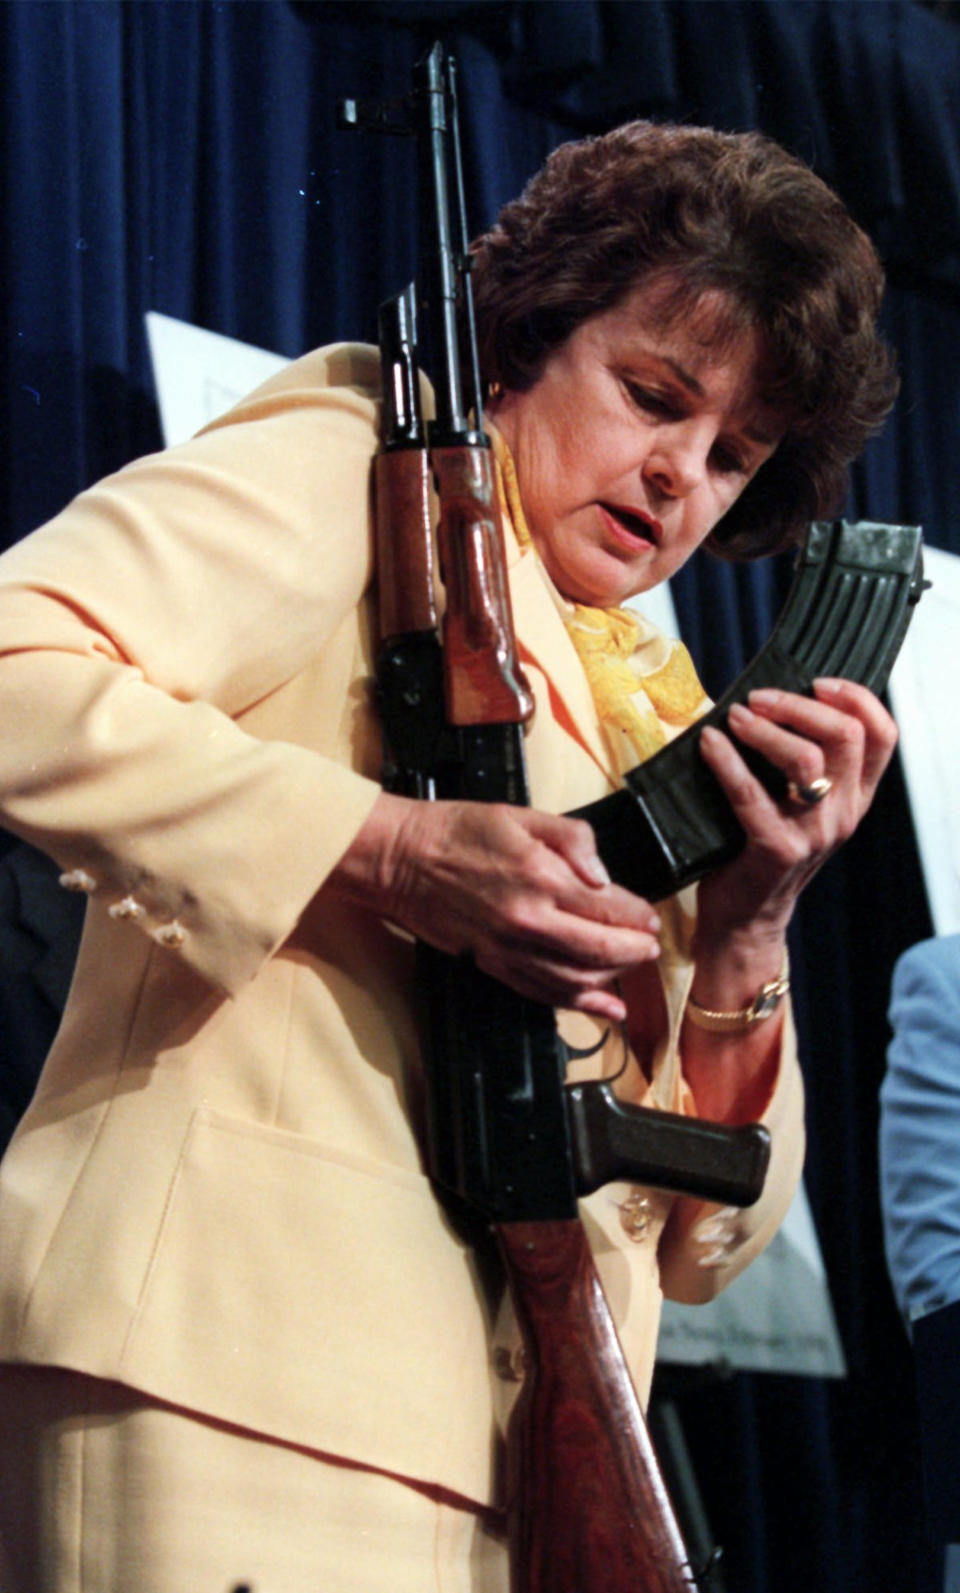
{"x":764,"y":1005}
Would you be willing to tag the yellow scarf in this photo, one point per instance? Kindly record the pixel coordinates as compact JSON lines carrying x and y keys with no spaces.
{"x":614,"y":645}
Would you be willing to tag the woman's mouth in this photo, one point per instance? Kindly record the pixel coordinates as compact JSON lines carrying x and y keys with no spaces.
{"x":631,"y":526}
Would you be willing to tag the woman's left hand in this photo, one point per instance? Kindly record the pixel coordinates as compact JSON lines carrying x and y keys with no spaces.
{"x":844,"y":735}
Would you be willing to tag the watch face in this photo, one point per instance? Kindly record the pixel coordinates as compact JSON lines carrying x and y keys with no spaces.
{"x":767,"y":1001}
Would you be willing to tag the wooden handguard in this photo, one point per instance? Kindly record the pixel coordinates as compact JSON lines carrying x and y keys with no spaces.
{"x":595,"y":1516}
{"x":404,"y":545}
{"x":484,"y":683}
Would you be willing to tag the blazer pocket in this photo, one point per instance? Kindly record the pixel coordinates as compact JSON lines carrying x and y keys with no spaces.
{"x":319,"y":1298}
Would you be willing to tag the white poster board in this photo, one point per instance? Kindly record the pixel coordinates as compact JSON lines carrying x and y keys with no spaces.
{"x":200,"y":375}
{"x":777,"y":1316}
{"x":924,"y":702}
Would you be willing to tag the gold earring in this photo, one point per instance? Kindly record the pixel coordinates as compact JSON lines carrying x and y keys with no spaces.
{"x":495,"y":390}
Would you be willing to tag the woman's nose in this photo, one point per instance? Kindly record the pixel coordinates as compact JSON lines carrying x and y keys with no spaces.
{"x":677,"y":462}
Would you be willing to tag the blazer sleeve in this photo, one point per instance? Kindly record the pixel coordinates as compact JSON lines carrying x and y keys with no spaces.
{"x":139,"y":624}
{"x":705,"y":1246}
{"x":700,"y":1257}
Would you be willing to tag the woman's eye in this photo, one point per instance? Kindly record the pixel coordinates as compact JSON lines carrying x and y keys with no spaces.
{"x":729,"y":461}
{"x":653,"y":403}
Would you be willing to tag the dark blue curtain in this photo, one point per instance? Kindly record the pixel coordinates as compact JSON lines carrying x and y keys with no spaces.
{"x":181,"y":155}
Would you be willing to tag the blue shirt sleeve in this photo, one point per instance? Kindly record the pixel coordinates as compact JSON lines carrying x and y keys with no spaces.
{"x":920,"y":1129}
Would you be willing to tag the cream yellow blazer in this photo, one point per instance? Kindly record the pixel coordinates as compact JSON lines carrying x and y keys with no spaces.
{"x":217,"y":1195}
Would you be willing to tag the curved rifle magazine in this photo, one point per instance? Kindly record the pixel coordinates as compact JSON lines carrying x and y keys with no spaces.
{"x":846,"y":614}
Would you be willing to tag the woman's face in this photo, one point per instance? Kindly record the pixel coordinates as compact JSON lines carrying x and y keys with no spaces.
{"x":633,"y":442}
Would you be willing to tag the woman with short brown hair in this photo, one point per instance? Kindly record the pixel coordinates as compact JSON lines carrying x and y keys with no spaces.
{"x":240,"y":1341}
{"x":731,"y":212}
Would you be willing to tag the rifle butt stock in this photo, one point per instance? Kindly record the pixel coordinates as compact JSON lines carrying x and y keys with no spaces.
{"x":587,"y":1508}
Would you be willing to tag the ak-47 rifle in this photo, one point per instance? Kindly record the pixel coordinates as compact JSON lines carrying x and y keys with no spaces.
{"x":508,"y":1140}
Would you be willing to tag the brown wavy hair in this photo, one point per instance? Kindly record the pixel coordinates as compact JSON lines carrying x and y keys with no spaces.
{"x":707,"y":212}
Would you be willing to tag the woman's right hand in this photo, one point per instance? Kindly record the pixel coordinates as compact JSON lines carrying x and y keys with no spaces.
{"x":523,"y":891}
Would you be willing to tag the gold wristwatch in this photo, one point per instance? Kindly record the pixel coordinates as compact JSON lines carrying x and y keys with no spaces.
{"x":764,"y":1005}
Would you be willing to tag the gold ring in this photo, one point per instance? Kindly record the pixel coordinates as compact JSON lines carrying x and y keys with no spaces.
{"x":809,"y":795}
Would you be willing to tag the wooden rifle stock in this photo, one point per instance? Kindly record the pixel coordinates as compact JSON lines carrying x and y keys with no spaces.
{"x":595,"y":1512}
